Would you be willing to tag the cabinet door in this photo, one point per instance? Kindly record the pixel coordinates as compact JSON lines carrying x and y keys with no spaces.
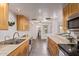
{"x":3,"y":16}
{"x":53,"y":47}
{"x":22,"y":23}
{"x":55,"y":50}
{"x":50,"y":50}
{"x":69,"y":9}
{"x":74,"y":8}
{"x":22,"y":50}
{"x":65,"y":12}
{"x":14,"y":53}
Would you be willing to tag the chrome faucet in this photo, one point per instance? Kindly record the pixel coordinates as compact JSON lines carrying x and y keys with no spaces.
{"x":15,"y":34}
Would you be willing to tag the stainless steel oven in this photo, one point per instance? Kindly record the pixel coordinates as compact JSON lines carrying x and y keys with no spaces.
{"x":73,"y":23}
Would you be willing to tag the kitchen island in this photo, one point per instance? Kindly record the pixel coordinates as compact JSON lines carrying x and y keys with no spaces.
{"x":20,"y":49}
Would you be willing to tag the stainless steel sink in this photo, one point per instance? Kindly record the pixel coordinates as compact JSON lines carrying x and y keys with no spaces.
{"x":11,"y":41}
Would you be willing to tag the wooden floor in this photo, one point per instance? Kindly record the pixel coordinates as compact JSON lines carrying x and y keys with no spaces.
{"x":39,"y":48}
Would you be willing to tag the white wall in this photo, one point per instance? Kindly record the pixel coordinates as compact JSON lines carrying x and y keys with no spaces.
{"x":10,"y":30}
{"x":57,"y":21}
{"x":33,"y":29}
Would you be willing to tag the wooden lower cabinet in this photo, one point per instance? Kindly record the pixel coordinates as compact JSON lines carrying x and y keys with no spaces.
{"x":53,"y":47}
{"x":22,"y":50}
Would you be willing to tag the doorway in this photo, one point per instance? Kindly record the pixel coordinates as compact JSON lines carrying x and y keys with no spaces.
{"x":39,"y":34}
{"x":38,"y":31}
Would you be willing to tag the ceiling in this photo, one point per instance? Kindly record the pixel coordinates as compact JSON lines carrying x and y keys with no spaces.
{"x":36,"y":10}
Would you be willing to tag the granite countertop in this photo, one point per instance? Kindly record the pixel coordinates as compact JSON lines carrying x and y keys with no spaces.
{"x":59,"y":39}
{"x":6,"y":49}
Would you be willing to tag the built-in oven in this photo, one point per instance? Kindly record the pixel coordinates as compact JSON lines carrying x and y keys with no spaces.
{"x":73,"y":23}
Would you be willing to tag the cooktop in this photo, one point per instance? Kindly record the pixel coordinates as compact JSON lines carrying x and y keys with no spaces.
{"x":70,"y":49}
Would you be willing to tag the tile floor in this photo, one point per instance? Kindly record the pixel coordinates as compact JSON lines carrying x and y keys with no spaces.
{"x":39,"y":48}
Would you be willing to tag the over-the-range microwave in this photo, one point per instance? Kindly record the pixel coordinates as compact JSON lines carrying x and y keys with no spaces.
{"x":73,"y":23}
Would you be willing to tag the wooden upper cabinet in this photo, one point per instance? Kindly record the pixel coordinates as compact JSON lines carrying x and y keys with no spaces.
{"x":3,"y":16}
{"x":66,"y":11}
{"x":69,"y":10}
{"x":22,"y":23}
{"x":65,"y":14}
{"x":74,"y":8}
